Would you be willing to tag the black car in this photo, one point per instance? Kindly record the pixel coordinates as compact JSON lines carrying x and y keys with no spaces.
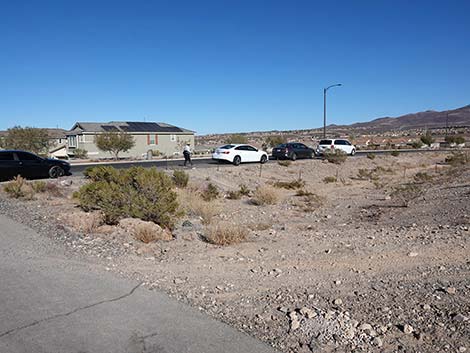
{"x":292,"y":150}
{"x":30,"y":166}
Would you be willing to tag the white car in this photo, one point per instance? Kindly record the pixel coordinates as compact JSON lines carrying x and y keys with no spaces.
{"x":336,"y":144}
{"x":239,"y":153}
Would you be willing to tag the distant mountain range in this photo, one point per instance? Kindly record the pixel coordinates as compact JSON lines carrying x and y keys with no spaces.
{"x":428,"y":119}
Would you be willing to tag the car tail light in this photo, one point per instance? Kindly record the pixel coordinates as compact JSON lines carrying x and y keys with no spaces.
{"x":226,"y":152}
{"x":332,"y":147}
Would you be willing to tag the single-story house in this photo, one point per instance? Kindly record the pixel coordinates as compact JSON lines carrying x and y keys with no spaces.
{"x":167,"y":139}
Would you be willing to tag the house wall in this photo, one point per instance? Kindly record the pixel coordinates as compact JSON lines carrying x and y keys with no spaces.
{"x":167,"y":144}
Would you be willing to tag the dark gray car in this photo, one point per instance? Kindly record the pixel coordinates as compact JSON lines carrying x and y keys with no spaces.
{"x":292,"y":150}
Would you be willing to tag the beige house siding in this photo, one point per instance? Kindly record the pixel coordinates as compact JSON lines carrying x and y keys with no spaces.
{"x":166,"y":143}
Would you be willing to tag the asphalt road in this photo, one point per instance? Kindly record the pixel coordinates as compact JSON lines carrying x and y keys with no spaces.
{"x":77,"y":169}
{"x":51,"y":303}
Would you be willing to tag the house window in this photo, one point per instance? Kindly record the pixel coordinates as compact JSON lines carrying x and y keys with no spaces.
{"x":72,"y":140}
{"x":173,"y":138}
{"x":152,"y":139}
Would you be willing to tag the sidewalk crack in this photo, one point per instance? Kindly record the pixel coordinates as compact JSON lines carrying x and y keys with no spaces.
{"x":53,"y":317}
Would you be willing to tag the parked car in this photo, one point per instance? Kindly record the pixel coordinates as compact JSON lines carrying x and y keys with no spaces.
{"x":239,"y":153}
{"x":30,"y":166}
{"x":292,"y":150}
{"x":336,"y":144}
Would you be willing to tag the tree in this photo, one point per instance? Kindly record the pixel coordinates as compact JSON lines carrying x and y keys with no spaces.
{"x":455,"y":139}
{"x":274,"y":140}
{"x":237,"y":138}
{"x":427,"y":139}
{"x":114,"y":142}
{"x":27,"y":139}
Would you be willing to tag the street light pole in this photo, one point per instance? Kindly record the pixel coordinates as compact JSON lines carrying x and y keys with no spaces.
{"x":324,"y":106}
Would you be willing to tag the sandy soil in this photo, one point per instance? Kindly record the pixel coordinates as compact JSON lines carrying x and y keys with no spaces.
{"x":349,"y":269}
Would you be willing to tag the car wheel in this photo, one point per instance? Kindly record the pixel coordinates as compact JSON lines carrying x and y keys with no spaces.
{"x":264,"y":159}
{"x":311,"y":155}
{"x":353,"y":152}
{"x":56,"y":172}
{"x":293,"y":157}
{"x":237,"y":160}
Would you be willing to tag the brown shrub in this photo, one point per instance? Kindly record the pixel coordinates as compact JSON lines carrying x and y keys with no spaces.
{"x":19,"y":188}
{"x":84,"y":222}
{"x":234,"y":195}
{"x":265,"y":195}
{"x":335,"y":156}
{"x":211,"y":192}
{"x":329,"y":179}
{"x":290,"y":185}
{"x":148,"y":232}
{"x":192,"y":204}
{"x":224,"y":233}
{"x":284,"y":163}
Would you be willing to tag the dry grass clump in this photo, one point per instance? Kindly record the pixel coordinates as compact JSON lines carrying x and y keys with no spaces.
{"x":244,"y":190}
{"x":265,"y":195}
{"x":284,"y":163}
{"x":370,"y":156}
{"x":234,"y":195}
{"x":458,"y":158}
{"x":330,"y":179}
{"x":39,"y":186}
{"x":19,"y":188}
{"x":290,"y":185}
{"x":147,"y":233}
{"x":422,"y":177}
{"x":193,"y":204}
{"x":335,"y":156}
{"x":180,"y":178}
{"x":84,"y":222}
{"x":259,"y":226}
{"x":211,"y":192}
{"x":224,"y":233}
{"x":395,"y":153}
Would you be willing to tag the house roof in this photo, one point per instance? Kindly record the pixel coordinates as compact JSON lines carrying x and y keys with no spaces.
{"x":129,"y":126}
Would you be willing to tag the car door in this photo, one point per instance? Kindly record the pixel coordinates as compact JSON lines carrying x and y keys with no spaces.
{"x":9,"y":166}
{"x":31,"y":166}
{"x":241,"y":151}
{"x":303,"y":150}
{"x":253,"y":154}
{"x":339,"y":145}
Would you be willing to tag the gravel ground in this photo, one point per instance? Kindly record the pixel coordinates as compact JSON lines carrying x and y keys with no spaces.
{"x":356,"y":271}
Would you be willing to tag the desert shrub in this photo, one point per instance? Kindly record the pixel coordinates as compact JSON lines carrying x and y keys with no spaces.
{"x":237,"y":138}
{"x":244,"y":190}
{"x":224,"y":233}
{"x":156,"y":153}
{"x":406,"y":193}
{"x":234,"y":195}
{"x":370,"y":156}
{"x":302,"y":192}
{"x":192,"y":204}
{"x":180,"y":178}
{"x":265,"y":195}
{"x":284,"y":163}
{"x":365,"y":174}
{"x":80,"y":153}
{"x":395,"y":153}
{"x":101,"y":173}
{"x":211,"y":192}
{"x":417,"y":144}
{"x":148,"y":232}
{"x":136,"y":192}
{"x":290,"y":185}
{"x":427,"y":139}
{"x":53,"y":189}
{"x":329,"y":179}
{"x":274,"y":140}
{"x":455,"y":139}
{"x":422,"y":177}
{"x":17,"y":188}
{"x":259,"y":226}
{"x":335,"y":156}
{"x":39,"y":186}
{"x":457,"y":158}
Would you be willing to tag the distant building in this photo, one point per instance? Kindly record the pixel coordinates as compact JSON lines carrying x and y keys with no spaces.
{"x":148,"y":136}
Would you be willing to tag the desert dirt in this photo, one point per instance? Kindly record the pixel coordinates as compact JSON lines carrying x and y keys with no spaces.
{"x":376,"y":261}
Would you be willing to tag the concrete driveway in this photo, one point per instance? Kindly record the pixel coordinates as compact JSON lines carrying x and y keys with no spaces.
{"x":51,"y":303}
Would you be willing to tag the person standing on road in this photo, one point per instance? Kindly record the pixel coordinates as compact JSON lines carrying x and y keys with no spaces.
{"x":187,"y":154}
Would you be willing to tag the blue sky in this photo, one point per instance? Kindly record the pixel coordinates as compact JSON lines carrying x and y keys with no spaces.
{"x":226,"y":66}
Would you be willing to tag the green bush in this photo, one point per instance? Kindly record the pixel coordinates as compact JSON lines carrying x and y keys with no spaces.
{"x":80,"y":153}
{"x":457,"y":158}
{"x":180,"y":178}
{"x":417,"y":144}
{"x":370,"y":156}
{"x":427,"y":139}
{"x":395,"y":153}
{"x":136,"y":192}
{"x":284,"y":163}
{"x":335,"y":156}
{"x":455,"y":139}
{"x":234,"y":195}
{"x":211,"y":192}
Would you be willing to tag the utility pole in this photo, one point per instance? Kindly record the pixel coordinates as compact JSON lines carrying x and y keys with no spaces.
{"x":325,"y":90}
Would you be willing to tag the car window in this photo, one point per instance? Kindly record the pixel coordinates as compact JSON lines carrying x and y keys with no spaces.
{"x":325,"y":142}
{"x":301,"y":146}
{"x":23,"y":156}
{"x":241,"y":148}
{"x":339,"y":142}
{"x":6,"y":156}
{"x":346,"y":142}
{"x":227,"y":147}
{"x":251,"y":148}
{"x":282,"y":145}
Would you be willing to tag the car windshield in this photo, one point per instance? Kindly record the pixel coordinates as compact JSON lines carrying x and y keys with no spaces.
{"x":226,"y":147}
{"x":282,"y":145}
{"x":325,"y":142}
